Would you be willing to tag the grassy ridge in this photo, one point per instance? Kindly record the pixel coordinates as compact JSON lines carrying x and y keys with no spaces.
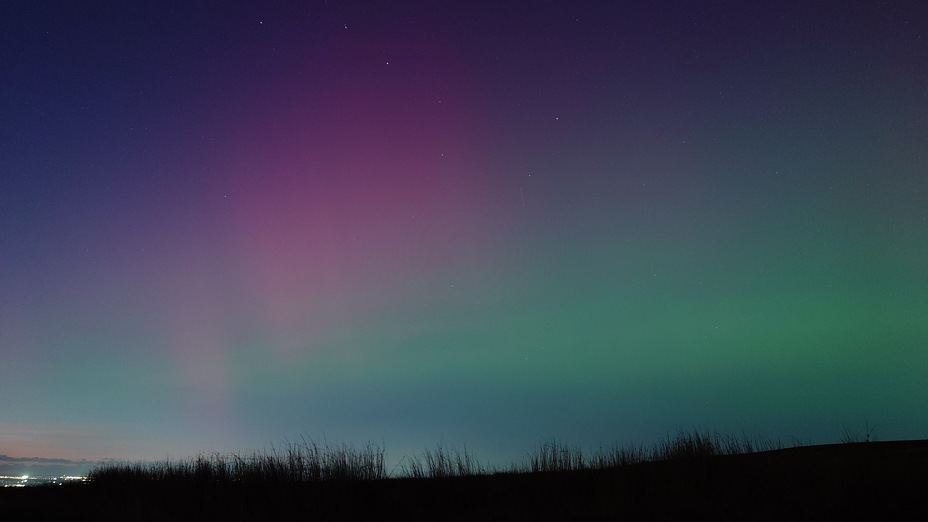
{"x":307,"y":461}
{"x":690,"y":476}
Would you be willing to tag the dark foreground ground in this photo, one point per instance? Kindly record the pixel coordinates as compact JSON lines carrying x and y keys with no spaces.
{"x":860,"y":481}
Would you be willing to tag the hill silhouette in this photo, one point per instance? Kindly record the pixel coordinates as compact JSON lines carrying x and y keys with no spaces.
{"x":847,"y":481}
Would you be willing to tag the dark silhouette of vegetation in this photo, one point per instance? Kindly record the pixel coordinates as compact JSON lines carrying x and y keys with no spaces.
{"x":690,"y":475}
{"x":443,"y":462}
{"x":307,"y":461}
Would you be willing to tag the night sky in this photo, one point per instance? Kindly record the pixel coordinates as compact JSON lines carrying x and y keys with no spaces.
{"x":486,"y":223}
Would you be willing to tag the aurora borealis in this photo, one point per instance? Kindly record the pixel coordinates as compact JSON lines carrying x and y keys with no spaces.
{"x":483,"y":223}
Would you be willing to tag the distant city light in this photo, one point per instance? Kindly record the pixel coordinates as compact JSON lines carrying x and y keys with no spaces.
{"x":19,"y":481}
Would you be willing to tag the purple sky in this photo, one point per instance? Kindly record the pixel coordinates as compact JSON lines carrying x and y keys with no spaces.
{"x":483,"y":223}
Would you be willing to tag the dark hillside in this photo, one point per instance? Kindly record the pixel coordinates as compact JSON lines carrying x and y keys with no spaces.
{"x":875,"y":480}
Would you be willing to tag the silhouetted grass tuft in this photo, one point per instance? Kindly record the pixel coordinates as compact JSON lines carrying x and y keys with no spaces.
{"x":556,"y":456}
{"x":696,"y":445}
{"x":305,"y":461}
{"x":443,"y":462}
